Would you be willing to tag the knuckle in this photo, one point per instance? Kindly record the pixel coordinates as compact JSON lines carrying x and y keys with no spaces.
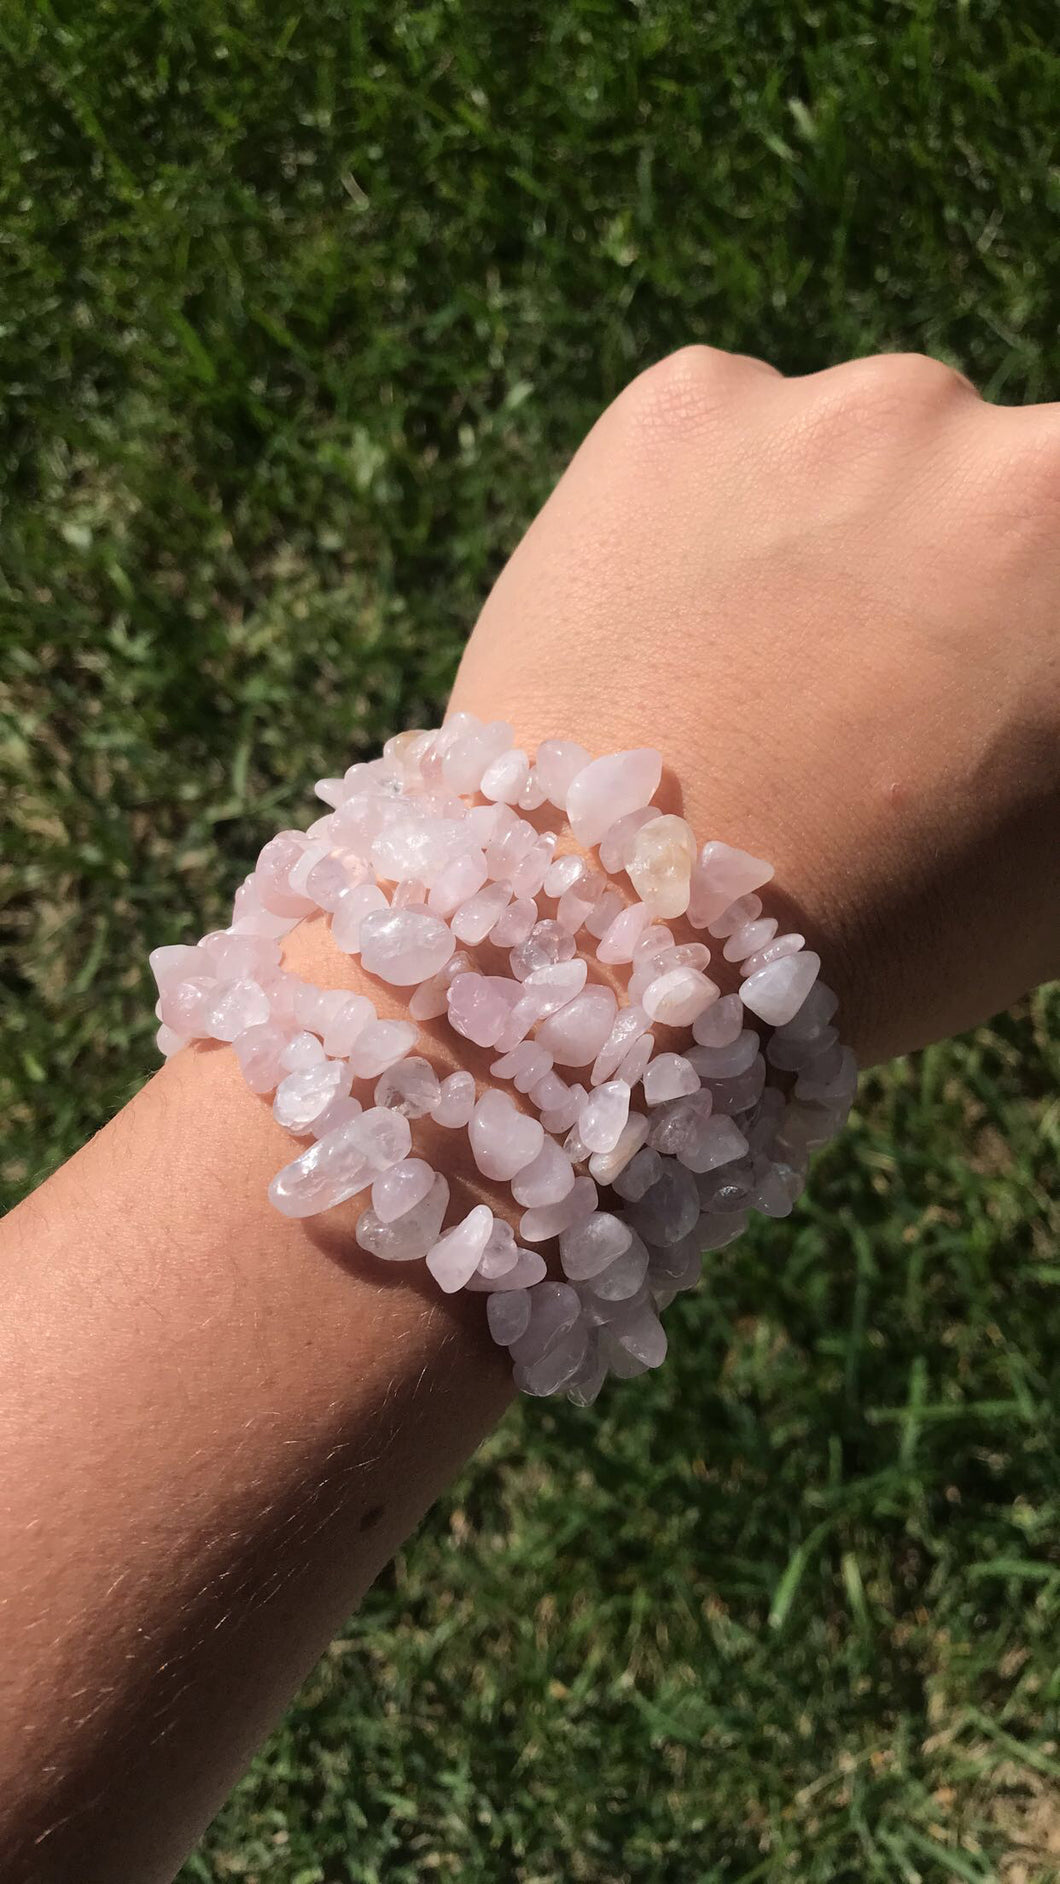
{"x":681,"y":392}
{"x":877,"y":396}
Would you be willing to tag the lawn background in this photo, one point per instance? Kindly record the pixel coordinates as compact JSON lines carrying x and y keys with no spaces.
{"x":301,"y":311}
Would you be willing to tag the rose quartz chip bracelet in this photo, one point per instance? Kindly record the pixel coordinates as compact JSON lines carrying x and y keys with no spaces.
{"x":423,"y":856}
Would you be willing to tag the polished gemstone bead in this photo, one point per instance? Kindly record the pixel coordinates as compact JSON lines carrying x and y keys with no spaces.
{"x":622,"y":934}
{"x":233,"y":1006}
{"x":301,"y":1097}
{"x":400,"y":1188}
{"x":617,"y":843}
{"x":532,"y":796}
{"x":184,"y":1004}
{"x":453,"y":1259}
{"x":546,"y":943}
{"x":563,"y":874}
{"x":677,"y":996}
{"x":575,"y":1035}
{"x":300,"y":1051}
{"x":589,"y":1245}
{"x":669,"y":1209}
{"x":624,"y":1274}
{"x":272,"y":872}
{"x":514,"y":923}
{"x":669,"y":1076}
{"x":456,"y":1100}
{"x":745,"y":909}
{"x":403,"y":947}
{"x":606,"y":1166}
{"x":346,"y":1023}
{"x":341,"y":1164}
{"x":380,"y":1045}
{"x":431,"y":999}
{"x":606,"y":789}
{"x":411,"y":1087}
{"x":508,"y":1315}
{"x":726,"y":1062}
{"x":636,"y":1058}
{"x":339,"y":1112}
{"x":505,"y":776}
{"x":557,"y":762}
{"x":603,"y":1116}
{"x":773,"y":951}
{"x":720,"y":874}
{"x":529,"y":1269}
{"x":544,"y":1221}
{"x":719,"y":1024}
{"x":502,"y":1138}
{"x":639,"y":1174}
{"x":258,"y":1051}
{"x":474,"y":919}
{"x":629,"y":1024}
{"x":660,"y":865}
{"x":470,"y":754}
{"x":457,"y":883}
{"x":479,"y":1007}
{"x":547,"y":1179}
{"x":777,"y":992}
{"x":554,"y":1309}
{"x":408,"y":1237}
{"x":350,"y":910}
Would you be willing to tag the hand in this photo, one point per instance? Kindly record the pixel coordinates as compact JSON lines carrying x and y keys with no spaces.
{"x":831,"y":602}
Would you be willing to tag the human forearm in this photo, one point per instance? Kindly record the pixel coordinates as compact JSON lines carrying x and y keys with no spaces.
{"x":217,"y":1425}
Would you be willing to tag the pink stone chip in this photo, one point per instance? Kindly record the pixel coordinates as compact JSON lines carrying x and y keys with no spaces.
{"x":575,"y":1035}
{"x":669,"y":1076}
{"x":233,"y":1006}
{"x":411,"y":1087}
{"x":773,"y":951}
{"x":503,"y":1139}
{"x":403,"y":947}
{"x":408,"y":1237}
{"x":478,"y":1008}
{"x":592,"y":1244}
{"x":514,"y":923}
{"x":603,"y":1116}
{"x":776,"y":993}
{"x":505,"y":776}
{"x":301,"y":1097}
{"x":538,"y":1225}
{"x":529,"y":1269}
{"x":547,"y":1179}
{"x":719,"y":1025}
{"x":557,"y":762}
{"x":606,"y":789}
{"x":380,"y":1045}
{"x":508,"y":1314}
{"x":678,"y":996}
{"x":606,"y":1166}
{"x":748,"y":937}
{"x":456,"y":1100}
{"x":400,"y":1188}
{"x":258,"y":1051}
{"x":474,"y":919}
{"x":454,"y":1259}
{"x":620,"y":938}
{"x":350,"y":910}
{"x":720,"y":874}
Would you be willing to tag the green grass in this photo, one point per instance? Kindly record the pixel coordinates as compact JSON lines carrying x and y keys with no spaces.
{"x":301,"y":311}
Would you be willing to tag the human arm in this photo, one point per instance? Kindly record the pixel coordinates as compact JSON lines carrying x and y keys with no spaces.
{"x":218,"y":1424}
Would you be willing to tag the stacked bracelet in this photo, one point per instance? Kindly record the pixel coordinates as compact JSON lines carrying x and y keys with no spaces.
{"x":426,"y":854}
